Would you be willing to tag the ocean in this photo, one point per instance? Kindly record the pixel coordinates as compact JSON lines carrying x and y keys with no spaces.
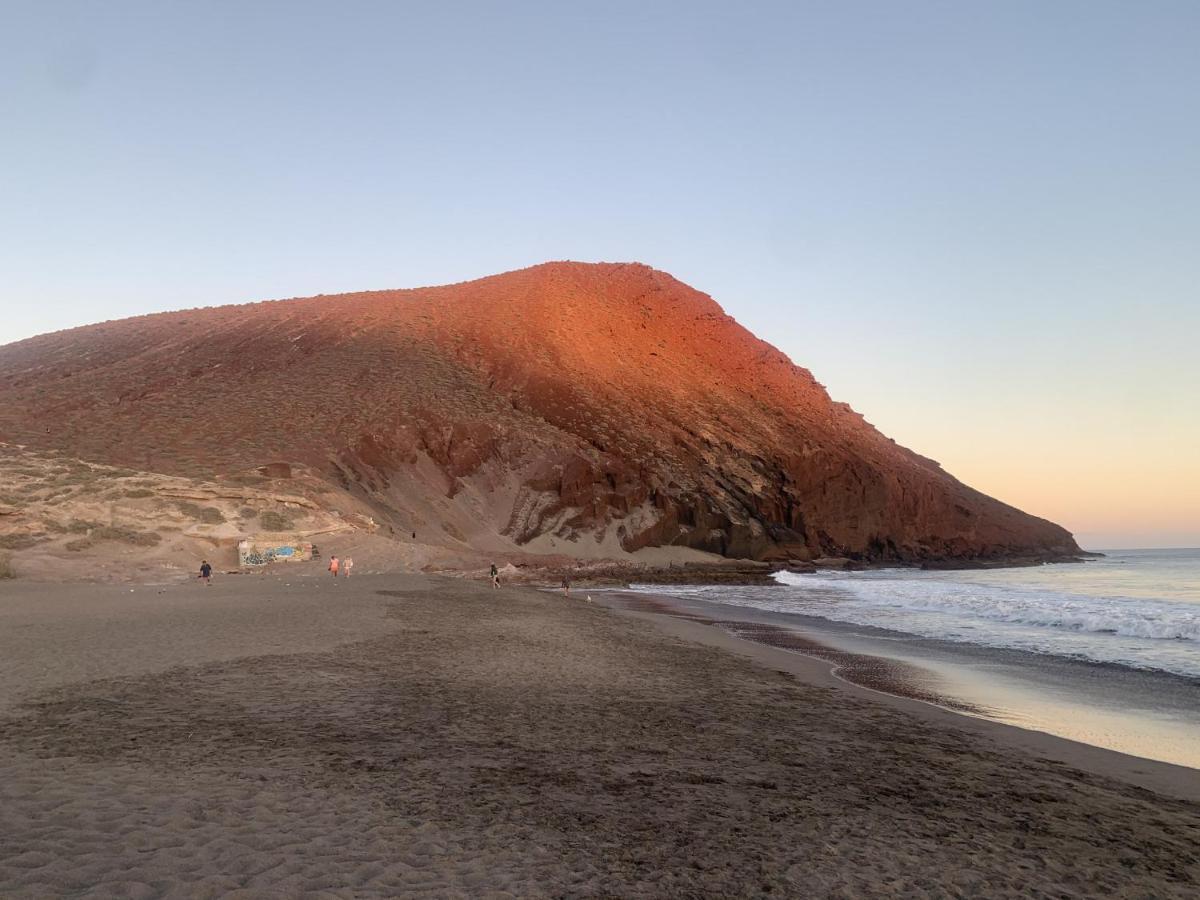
{"x":1137,"y":608}
{"x":1106,"y":651}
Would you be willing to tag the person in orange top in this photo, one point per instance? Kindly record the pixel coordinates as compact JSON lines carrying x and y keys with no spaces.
{"x":333,"y":565}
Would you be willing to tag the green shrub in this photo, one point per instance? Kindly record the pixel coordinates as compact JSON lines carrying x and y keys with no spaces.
{"x":6,"y":568}
{"x":81,"y":526}
{"x":138,"y":493}
{"x":78,"y":544}
{"x":247,"y":513}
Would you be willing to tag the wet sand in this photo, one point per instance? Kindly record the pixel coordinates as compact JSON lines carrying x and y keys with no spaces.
{"x":404,"y":735}
{"x":1150,"y":715}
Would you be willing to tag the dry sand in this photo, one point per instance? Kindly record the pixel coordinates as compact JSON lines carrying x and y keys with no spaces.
{"x":288,"y":736}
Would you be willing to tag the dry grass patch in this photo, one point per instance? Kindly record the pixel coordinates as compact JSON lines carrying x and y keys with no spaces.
{"x":248,"y":480}
{"x":6,"y":567}
{"x":209,"y":515}
{"x":18,"y":541}
{"x":126,"y":535}
{"x":92,"y":532}
{"x":273,"y":521}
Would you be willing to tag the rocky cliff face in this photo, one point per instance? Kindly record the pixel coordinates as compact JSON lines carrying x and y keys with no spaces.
{"x":587,"y":409}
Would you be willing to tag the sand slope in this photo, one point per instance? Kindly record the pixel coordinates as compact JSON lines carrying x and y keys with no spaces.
{"x":429,"y":737}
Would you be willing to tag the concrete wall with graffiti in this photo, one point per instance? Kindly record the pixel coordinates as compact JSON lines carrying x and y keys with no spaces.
{"x":261,"y":553}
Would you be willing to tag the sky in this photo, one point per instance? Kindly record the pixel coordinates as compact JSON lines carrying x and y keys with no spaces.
{"x":976,"y":222}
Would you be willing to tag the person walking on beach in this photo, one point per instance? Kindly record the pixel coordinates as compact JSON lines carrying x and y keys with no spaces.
{"x":495,"y":576}
{"x":206,"y":571}
{"x":333,"y":565}
{"x":566,"y":585}
{"x":347,"y":564}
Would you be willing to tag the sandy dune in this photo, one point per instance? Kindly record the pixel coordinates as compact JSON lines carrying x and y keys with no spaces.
{"x":294,"y":736}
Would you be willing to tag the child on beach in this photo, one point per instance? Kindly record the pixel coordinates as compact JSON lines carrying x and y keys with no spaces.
{"x":495,"y":575}
{"x":333,"y":565}
{"x":206,"y":571}
{"x":347,"y":565}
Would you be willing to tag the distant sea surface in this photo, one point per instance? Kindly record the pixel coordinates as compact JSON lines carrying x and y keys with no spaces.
{"x":1136,"y":608}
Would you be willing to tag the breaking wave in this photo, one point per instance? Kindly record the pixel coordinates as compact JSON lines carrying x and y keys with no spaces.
{"x":1128,"y":616}
{"x":1132,"y":608}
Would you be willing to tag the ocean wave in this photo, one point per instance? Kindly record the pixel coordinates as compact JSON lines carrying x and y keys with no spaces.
{"x":1125,"y":616}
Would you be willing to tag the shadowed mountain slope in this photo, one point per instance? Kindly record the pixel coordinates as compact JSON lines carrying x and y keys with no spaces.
{"x":588,"y":408}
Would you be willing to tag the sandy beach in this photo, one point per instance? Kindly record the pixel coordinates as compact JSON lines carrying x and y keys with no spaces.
{"x":289,"y":735}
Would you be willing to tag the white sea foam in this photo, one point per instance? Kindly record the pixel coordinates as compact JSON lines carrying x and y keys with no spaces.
{"x":1139,"y":608}
{"x":1130,"y":616}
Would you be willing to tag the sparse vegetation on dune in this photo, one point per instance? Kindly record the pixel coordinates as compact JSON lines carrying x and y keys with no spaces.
{"x":71,"y":512}
{"x":93,"y":532}
{"x":126,"y":535}
{"x":209,"y":515}
{"x":248,"y":480}
{"x":6,"y":567}
{"x":271,"y":520}
{"x":19,"y":541}
{"x":26,"y":471}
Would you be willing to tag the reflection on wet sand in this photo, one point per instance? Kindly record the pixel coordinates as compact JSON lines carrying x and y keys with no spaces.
{"x":1154,"y":715}
{"x":876,"y":673}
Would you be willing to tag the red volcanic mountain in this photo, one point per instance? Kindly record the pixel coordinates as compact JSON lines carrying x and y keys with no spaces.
{"x":582,"y":407}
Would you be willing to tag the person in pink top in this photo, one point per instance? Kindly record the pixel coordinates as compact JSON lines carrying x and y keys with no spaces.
{"x":333,"y":565}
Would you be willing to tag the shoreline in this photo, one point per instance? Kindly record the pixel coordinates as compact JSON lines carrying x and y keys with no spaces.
{"x":891,"y":681}
{"x":431,"y":737}
{"x":619,"y":573}
{"x":528,"y":569}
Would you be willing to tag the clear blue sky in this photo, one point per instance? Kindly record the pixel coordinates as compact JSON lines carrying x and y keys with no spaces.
{"x":978,"y":223}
